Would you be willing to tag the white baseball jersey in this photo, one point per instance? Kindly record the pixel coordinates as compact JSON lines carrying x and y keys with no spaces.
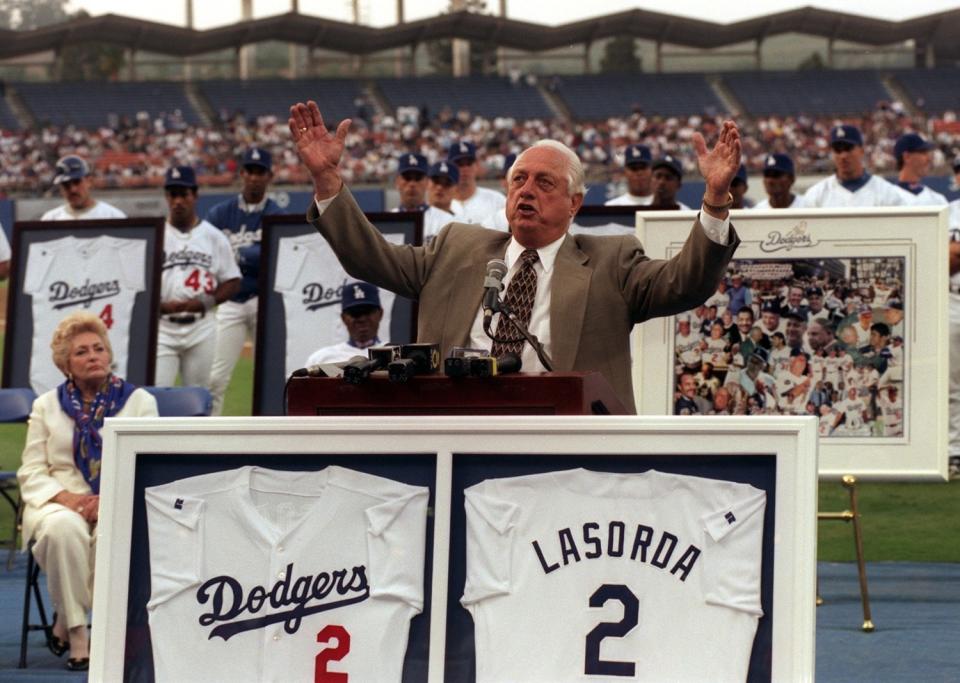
{"x":591,"y":576}
{"x":4,"y":245}
{"x":891,"y":411}
{"x":797,"y":203}
{"x":627,"y":199}
{"x":434,"y":219}
{"x":687,"y":347}
{"x":101,"y":274}
{"x":853,"y":409}
{"x":787,"y":382}
{"x":265,"y":575}
{"x":310,"y":277}
{"x":64,"y":212}
{"x":195,"y":262}
{"x":719,"y":299}
{"x":928,"y":197}
{"x":825,"y":427}
{"x":779,"y":360}
{"x":876,"y":192}
{"x":479,"y":207}
{"x":336,"y":353}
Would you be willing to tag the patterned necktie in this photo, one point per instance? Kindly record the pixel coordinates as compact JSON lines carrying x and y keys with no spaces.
{"x":519,"y":299}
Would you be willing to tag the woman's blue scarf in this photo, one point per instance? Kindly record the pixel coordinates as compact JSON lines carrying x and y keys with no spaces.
{"x":87,"y":444}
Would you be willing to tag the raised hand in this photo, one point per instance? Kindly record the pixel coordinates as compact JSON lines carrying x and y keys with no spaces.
{"x":319,"y":149}
{"x":719,"y":165}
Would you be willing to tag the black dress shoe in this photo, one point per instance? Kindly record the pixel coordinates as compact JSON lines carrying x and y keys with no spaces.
{"x":54,"y":644}
{"x":81,"y":664}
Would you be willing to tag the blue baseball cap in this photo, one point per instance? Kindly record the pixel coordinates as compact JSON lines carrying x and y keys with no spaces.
{"x":462,"y":150}
{"x":180,"y":176}
{"x":356,"y":294}
{"x":770,"y":306}
{"x":671,"y":162}
{"x":445,"y":169}
{"x":412,"y":162}
{"x":257,"y":156}
{"x":637,"y":155}
{"x":741,"y":174}
{"x":69,"y":168}
{"x":508,"y":161}
{"x":911,"y":142}
{"x":778,"y":163}
{"x":846,"y":133}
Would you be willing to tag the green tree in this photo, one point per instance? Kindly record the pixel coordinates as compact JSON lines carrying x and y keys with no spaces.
{"x":25,"y":15}
{"x":619,"y":56}
{"x":483,"y":53}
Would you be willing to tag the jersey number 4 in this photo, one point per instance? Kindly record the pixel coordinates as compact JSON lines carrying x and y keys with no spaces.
{"x":106,"y":315}
{"x":331,"y":654}
{"x":193,"y":281}
{"x":593,"y":665}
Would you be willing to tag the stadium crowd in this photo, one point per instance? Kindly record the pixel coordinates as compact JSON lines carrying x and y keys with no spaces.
{"x":136,"y":153}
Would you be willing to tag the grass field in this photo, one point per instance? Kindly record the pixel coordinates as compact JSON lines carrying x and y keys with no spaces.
{"x":918,"y":522}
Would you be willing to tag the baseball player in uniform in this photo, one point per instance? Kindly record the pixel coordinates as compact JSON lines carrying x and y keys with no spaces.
{"x":666,"y":181}
{"x":101,"y":274}
{"x":239,"y":218}
{"x":578,"y":575}
{"x":412,"y":184}
{"x":199,"y":272}
{"x":4,"y":254}
{"x":73,"y":179}
{"x":637,"y":169}
{"x":851,"y":185}
{"x":265,"y":575}
{"x":738,"y":189}
{"x":912,"y":153}
{"x":473,"y":204}
{"x":441,"y":188}
{"x":361,"y":314}
{"x":778,"y":179}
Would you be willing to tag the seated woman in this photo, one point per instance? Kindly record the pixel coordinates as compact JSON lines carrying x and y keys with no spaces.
{"x":60,"y":475}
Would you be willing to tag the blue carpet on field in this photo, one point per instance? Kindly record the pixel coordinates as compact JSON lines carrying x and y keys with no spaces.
{"x":916,"y":610}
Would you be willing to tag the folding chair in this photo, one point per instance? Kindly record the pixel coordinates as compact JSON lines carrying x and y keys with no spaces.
{"x":32,"y":586}
{"x":182,"y":401}
{"x":15,"y":406}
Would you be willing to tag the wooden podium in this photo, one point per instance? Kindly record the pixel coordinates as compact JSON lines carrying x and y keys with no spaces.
{"x":547,"y":393}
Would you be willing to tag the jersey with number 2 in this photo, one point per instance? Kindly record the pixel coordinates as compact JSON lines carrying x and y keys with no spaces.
{"x":589,"y":576}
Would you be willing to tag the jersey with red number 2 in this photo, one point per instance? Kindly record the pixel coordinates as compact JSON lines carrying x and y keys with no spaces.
{"x":331,"y":654}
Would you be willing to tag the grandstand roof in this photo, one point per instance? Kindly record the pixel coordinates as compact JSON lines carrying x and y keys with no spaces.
{"x":939,"y":30}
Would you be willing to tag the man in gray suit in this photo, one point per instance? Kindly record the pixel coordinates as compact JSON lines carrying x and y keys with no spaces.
{"x":590,"y":290}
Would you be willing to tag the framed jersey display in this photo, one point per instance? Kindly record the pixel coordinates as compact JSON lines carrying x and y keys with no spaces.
{"x":551,"y":549}
{"x":109,"y":267}
{"x":836,"y":313}
{"x":605,"y":220}
{"x":301,"y":285}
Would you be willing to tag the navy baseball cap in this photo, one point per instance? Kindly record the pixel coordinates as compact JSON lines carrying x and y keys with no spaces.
{"x":770,"y":306}
{"x":356,"y":294}
{"x":671,"y":162}
{"x":846,"y":133}
{"x":462,"y":150}
{"x":637,"y":155}
{"x":412,"y":162}
{"x":447,"y":170}
{"x":814,"y":291}
{"x":180,"y":176}
{"x":778,"y":163}
{"x":741,"y":174}
{"x":257,"y":156}
{"x":956,"y":163}
{"x":760,"y":354}
{"x":69,"y":168}
{"x":508,"y":161}
{"x":911,"y":142}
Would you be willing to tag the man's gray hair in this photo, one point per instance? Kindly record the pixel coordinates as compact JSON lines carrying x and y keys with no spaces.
{"x":574,"y":168}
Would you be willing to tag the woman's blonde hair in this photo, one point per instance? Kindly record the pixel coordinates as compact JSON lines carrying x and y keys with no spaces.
{"x":70,"y":327}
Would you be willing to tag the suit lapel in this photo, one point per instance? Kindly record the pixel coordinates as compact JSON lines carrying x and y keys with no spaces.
{"x":467,"y":292}
{"x":568,"y":302}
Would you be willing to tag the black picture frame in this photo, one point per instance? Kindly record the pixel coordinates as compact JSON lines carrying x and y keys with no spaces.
{"x":141,"y":355}
{"x":274,"y":337}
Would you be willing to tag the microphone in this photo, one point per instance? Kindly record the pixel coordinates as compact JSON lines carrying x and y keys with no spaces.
{"x":492,"y":286}
{"x":414,"y":359}
{"x":358,"y":370}
{"x":481,"y":365}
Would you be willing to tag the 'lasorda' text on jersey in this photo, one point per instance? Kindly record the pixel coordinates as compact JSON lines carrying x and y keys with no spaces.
{"x":644,"y":544}
{"x":228,"y":599}
{"x":62,"y":295}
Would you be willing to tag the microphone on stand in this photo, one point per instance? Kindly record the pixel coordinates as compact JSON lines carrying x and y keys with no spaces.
{"x":492,"y":286}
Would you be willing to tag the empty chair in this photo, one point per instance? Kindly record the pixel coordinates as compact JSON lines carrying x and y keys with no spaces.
{"x":182,"y":401}
{"x":15,"y":404}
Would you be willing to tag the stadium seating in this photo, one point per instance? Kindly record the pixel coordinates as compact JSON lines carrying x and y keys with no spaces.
{"x":273,"y":97}
{"x":809,"y":92}
{"x":485,"y":96}
{"x":7,"y":120}
{"x":931,"y":90}
{"x":93,"y":104}
{"x":598,"y":97}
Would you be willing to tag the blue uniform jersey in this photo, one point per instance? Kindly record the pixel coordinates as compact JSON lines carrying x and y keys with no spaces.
{"x":242,"y":228}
